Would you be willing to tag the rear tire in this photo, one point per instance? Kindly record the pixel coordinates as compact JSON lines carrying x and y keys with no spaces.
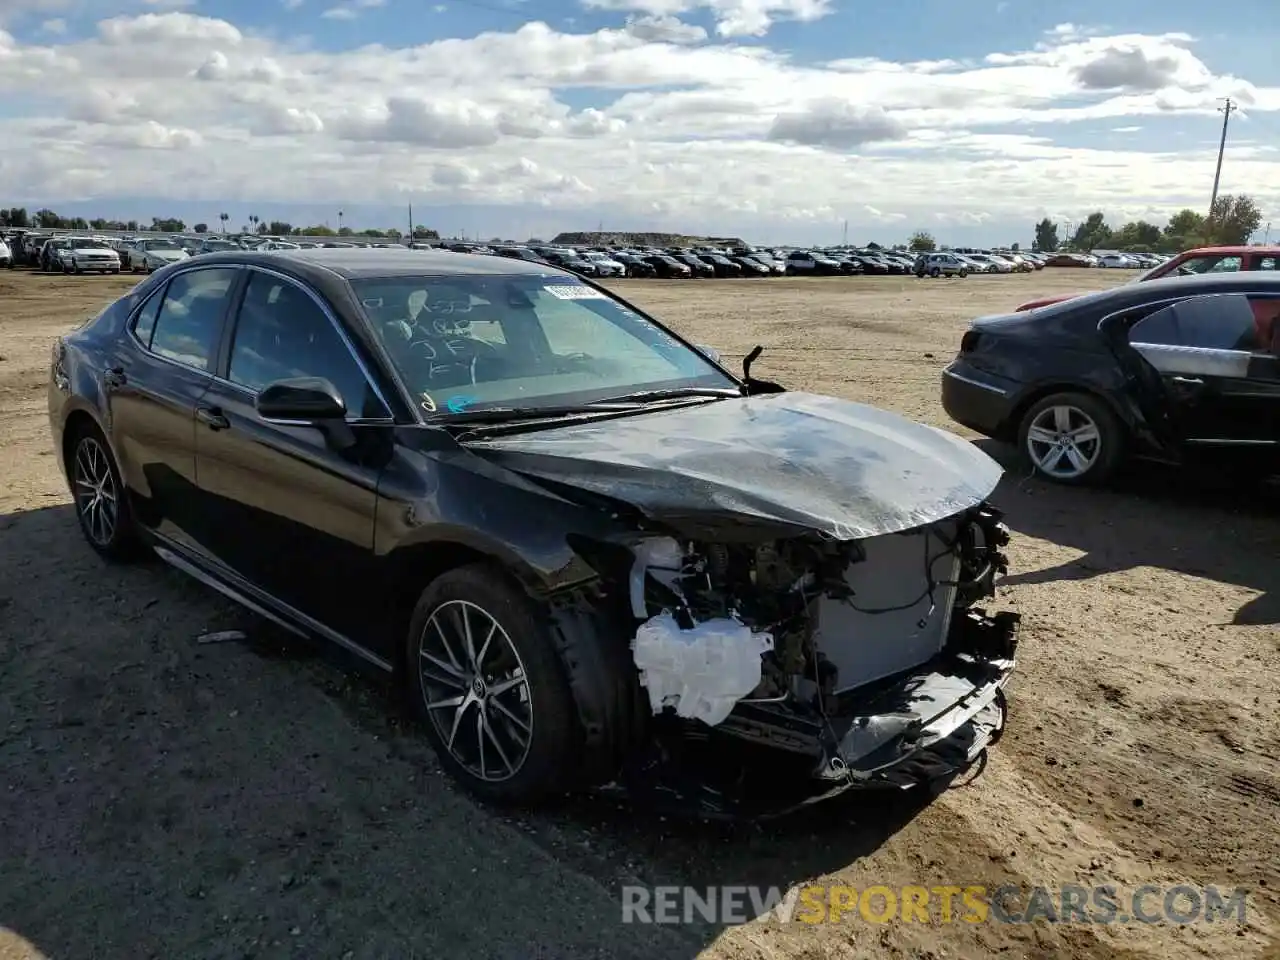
{"x":498,"y":712}
{"x":935,"y":273}
{"x":1072,"y":438}
{"x":101,"y":501}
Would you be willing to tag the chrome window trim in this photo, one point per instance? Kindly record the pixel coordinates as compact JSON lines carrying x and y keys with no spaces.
{"x":334,"y":322}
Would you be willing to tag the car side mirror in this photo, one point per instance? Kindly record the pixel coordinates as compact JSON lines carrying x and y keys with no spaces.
{"x":306,"y":399}
{"x":711,"y":353}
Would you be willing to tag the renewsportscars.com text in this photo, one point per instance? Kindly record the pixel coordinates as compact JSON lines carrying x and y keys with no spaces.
{"x":1010,"y":903}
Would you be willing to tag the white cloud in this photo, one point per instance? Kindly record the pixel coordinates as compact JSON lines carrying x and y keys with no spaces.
{"x":668,"y":126}
{"x":665,"y":29}
{"x":734,"y":18}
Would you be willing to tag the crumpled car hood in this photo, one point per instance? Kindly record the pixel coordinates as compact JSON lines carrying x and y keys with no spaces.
{"x":794,"y":460}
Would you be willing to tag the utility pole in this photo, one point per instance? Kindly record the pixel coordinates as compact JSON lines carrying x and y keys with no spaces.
{"x":411,"y":223}
{"x":1226,"y":110}
{"x":844,"y":238}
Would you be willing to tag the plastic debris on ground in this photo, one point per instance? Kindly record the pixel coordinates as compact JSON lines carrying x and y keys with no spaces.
{"x":701,"y":672}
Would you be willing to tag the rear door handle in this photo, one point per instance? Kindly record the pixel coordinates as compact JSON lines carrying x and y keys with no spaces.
{"x":114,"y":377}
{"x":212,"y":418}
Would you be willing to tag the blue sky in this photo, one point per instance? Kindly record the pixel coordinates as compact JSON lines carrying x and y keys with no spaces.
{"x":779,"y":120}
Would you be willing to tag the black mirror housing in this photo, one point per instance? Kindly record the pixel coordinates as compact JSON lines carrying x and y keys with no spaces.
{"x":309,"y":399}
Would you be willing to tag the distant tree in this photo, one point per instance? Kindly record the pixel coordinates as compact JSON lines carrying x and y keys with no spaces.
{"x":423,"y":233}
{"x":47,"y":218}
{"x":1233,"y":220}
{"x":1015,"y":246}
{"x":1046,"y":236}
{"x":255,"y":220}
{"x":345,"y":232}
{"x":279,"y":228}
{"x":76,"y":223}
{"x":1091,"y":234}
{"x":167,"y":225}
{"x":922,"y":242}
{"x":315,"y":231}
{"x":393,"y":234}
{"x":373,"y":233}
{"x":1138,"y":235}
{"x":201,"y":228}
{"x":97,"y":223}
{"x":1185,"y":229}
{"x":15,"y":217}
{"x":224,"y":217}
{"x":132,"y":226}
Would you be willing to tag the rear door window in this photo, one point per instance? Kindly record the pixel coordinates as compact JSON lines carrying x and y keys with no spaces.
{"x":1224,"y":322}
{"x":189,"y":322}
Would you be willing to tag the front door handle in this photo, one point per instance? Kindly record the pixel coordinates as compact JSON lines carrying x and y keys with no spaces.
{"x":114,"y":377}
{"x":212,"y":418}
{"x":1189,"y":381}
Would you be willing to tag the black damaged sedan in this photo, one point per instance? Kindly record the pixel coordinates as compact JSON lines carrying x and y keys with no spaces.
{"x":1183,"y":371}
{"x":592,"y":556}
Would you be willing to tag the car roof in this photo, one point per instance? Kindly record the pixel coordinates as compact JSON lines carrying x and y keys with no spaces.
{"x":367,"y":262}
{"x":1272,"y":250}
{"x":1153,"y":291}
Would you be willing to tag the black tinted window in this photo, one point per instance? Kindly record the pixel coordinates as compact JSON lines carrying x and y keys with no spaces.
{"x":145,"y":324}
{"x":282,"y":333}
{"x":1226,"y":322}
{"x":190,"y":319}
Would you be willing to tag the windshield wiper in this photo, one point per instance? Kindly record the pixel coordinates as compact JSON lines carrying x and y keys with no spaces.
{"x":672,"y":393}
{"x":513,"y":414}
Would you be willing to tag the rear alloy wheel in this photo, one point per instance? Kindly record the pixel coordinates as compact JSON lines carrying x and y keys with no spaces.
{"x":486,"y":680}
{"x":101,"y":504}
{"x":935,"y":272}
{"x":963,"y":273}
{"x":1072,"y":438}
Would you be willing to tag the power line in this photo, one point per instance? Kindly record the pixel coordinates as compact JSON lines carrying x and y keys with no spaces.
{"x":1226,"y":110}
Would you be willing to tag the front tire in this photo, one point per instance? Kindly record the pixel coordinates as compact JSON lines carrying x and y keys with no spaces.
{"x":1072,"y":438}
{"x":101,"y":503}
{"x":935,"y":273}
{"x":484,"y":677}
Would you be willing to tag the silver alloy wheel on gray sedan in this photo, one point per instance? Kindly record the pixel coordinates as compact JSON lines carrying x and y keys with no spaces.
{"x":475,"y":690}
{"x":95,"y":491}
{"x":1064,"y":442}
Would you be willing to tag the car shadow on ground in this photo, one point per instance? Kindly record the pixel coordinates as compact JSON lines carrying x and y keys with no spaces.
{"x":178,"y":798}
{"x":1188,"y":521}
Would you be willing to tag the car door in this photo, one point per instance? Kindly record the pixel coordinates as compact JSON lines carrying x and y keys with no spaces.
{"x":152,"y":385}
{"x":291,"y":505}
{"x":1216,"y":357}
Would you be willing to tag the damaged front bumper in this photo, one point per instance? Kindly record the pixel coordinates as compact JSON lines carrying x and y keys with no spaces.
{"x":875,"y":695}
{"x":918,"y":728}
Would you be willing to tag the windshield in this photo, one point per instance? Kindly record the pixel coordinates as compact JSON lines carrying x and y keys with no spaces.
{"x":87,"y":244}
{"x":220,"y":245}
{"x":159,"y":245}
{"x":524,"y":342}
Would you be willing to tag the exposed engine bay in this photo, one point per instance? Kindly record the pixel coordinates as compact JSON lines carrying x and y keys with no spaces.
{"x":854,"y":653}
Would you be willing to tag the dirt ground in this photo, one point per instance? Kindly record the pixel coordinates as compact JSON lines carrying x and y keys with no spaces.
{"x":163,"y":798}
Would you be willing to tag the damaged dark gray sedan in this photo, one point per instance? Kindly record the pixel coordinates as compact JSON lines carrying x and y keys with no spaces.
{"x":593,"y":556}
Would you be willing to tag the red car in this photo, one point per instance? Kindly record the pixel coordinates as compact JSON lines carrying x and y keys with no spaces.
{"x":1199,"y":260}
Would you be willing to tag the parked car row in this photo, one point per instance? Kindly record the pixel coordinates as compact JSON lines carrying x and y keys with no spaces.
{"x":59,"y":254}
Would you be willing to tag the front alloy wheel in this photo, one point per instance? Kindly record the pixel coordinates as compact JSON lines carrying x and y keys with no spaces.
{"x":475,"y":690}
{"x":484,"y":676}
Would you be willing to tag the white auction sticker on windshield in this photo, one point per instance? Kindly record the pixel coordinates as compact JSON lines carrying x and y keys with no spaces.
{"x":574,"y":291}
